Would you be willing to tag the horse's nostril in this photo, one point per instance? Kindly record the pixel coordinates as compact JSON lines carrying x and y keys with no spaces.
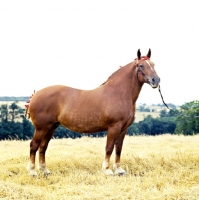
{"x":153,"y":80}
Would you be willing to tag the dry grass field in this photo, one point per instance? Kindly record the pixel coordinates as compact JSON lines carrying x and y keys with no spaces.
{"x":160,"y":167}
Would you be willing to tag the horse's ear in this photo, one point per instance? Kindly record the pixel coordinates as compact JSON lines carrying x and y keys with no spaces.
{"x":149,"y":53}
{"x":139,"y":54}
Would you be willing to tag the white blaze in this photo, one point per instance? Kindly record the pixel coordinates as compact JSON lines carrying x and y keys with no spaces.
{"x":149,"y":65}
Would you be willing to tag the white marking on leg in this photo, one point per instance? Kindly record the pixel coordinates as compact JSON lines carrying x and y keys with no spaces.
{"x":105,"y":168}
{"x":42,"y":167}
{"x":31,"y":169}
{"x":118,"y":170}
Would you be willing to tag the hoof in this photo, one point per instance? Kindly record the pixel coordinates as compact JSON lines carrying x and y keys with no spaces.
{"x":44,"y":170}
{"x":108,"y":172}
{"x":32,"y":173}
{"x":119,"y":171}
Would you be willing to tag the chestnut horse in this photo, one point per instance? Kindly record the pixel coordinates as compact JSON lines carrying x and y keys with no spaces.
{"x":109,"y":107}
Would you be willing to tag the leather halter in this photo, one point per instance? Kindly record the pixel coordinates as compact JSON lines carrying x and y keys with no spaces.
{"x":139,"y":68}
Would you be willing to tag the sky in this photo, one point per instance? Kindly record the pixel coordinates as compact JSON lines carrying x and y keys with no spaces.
{"x":81,"y":43}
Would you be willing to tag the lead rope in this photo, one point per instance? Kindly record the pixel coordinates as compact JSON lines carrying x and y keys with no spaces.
{"x":162,"y":98}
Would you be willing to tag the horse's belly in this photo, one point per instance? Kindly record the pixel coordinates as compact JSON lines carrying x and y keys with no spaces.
{"x":83,"y":129}
{"x":84,"y":124}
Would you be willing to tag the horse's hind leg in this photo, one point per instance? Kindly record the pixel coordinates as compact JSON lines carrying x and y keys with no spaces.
{"x":43,"y":146}
{"x":118,"y":149}
{"x":34,"y":145}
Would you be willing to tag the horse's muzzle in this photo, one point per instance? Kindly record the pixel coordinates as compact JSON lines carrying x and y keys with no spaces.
{"x":154,"y":82}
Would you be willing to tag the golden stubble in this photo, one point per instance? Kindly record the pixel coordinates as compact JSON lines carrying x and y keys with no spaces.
{"x":159,"y":167}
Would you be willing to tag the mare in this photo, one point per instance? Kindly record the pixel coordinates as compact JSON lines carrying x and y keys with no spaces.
{"x":109,"y":107}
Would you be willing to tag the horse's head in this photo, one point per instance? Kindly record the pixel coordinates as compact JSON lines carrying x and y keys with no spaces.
{"x":145,"y":70}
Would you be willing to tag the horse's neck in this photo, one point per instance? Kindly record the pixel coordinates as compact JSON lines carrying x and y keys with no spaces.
{"x":136,"y":90}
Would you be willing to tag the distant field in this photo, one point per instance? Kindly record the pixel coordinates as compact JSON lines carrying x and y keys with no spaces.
{"x":139,"y":116}
{"x":158,"y":168}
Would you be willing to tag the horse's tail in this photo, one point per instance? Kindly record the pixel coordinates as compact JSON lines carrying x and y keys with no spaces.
{"x":27,"y":114}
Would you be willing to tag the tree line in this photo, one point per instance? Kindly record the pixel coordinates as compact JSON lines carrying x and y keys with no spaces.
{"x":13,"y":124}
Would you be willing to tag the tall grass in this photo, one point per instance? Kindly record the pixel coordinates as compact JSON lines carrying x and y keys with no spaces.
{"x":160,"y":167}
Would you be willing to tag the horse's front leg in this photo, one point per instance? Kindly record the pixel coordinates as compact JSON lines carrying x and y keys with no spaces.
{"x":112,"y":135}
{"x":118,"y":149}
